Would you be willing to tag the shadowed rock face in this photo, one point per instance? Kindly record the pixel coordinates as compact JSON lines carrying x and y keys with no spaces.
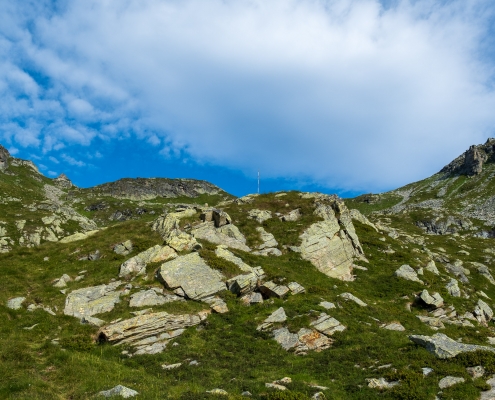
{"x":150,"y":188}
{"x":4,"y":158}
{"x":471,"y":162}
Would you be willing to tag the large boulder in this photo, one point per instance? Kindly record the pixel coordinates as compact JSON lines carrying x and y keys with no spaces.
{"x":228,"y":235}
{"x":93,"y":300}
{"x":444,"y":347}
{"x":191,"y":274}
{"x":168,"y":226}
{"x":332,"y":244}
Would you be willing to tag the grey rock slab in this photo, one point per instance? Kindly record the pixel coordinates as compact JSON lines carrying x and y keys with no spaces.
{"x":192,"y":275}
{"x":444,"y":347}
{"x":151,"y":297}
{"x":296,"y":288}
{"x":356,"y":215}
{"x":216,"y":304}
{"x":381,"y":383}
{"x":406,"y":272}
{"x":243,"y":284}
{"x":327,"y":305}
{"x":123,"y":248}
{"x":327,"y":325}
{"x":133,"y":266}
{"x":92,"y":300}
{"x":349,"y":296}
{"x":432,"y":267}
{"x":285,"y":338}
{"x":271,"y":289}
{"x":489,"y":394}
{"x":292,"y":216}
{"x":267,"y":238}
{"x":434,"y":300}
{"x":150,"y":328}
{"x":259,"y":215}
{"x":218,"y":392}
{"x":15,"y":303}
{"x":275,"y":386}
{"x":449,"y":381}
{"x":485,"y":271}
{"x":394,"y":326}
{"x":270,"y":251}
{"x":222,"y":252}
{"x":92,"y":321}
{"x":252,"y":298}
{"x":276,"y":317}
{"x":311,"y":339}
{"x":119,"y":390}
{"x":458,"y":271}
{"x":453,"y":288}
{"x":169,"y":367}
{"x":228,"y":235}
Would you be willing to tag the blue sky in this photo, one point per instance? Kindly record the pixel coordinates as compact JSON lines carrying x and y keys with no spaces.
{"x":345,"y":96}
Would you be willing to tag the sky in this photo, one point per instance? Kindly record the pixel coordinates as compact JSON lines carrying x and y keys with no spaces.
{"x":337,"y":96}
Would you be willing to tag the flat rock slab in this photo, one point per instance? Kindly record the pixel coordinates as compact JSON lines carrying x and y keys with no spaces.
{"x":119,"y":390}
{"x":275,"y":317}
{"x":152,"y":297}
{"x":444,"y":347}
{"x":92,"y":300}
{"x":327,"y":325}
{"x":349,"y":296}
{"x":222,"y":252}
{"x":271,"y":289}
{"x":193,"y":276}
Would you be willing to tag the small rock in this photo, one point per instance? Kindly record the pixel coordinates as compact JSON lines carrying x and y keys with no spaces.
{"x":220,"y":392}
{"x":123,"y":248}
{"x":394,"y":326}
{"x":318,"y":396}
{"x":193,"y":362}
{"x":296,"y":288}
{"x":432,"y":267}
{"x":15,"y":303}
{"x":449,"y":381}
{"x":327,"y":305}
{"x":276,"y":317}
{"x":427,"y":371}
{"x":381,"y":383}
{"x":119,"y":390}
{"x":171,"y":366}
{"x":270,"y":289}
{"x":453,"y":288}
{"x":406,"y":272}
{"x":434,"y":300}
{"x":349,"y":296}
{"x":246,"y":394}
{"x":283,"y":381}
{"x":275,"y":386}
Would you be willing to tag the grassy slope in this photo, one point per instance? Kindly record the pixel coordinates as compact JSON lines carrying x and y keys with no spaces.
{"x":232,"y":354}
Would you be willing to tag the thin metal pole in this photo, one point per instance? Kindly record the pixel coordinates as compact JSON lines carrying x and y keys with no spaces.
{"x":258,"y":182}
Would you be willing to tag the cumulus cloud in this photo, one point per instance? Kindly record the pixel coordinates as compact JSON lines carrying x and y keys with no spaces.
{"x":344,"y":93}
{"x":72,"y":161}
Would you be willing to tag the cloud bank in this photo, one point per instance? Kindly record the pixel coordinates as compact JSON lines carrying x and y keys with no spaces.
{"x":345,"y":93}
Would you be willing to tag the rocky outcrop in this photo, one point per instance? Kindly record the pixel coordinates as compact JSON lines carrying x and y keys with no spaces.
{"x":92,"y":300}
{"x":62,"y":181}
{"x":332,"y":244}
{"x":168,"y":226}
{"x":150,"y":333}
{"x":471,"y":162}
{"x":268,"y":245}
{"x":228,"y":235}
{"x":4,"y":158}
{"x":192,"y":275}
{"x":444,"y":347}
{"x":259,"y":215}
{"x":151,"y":188}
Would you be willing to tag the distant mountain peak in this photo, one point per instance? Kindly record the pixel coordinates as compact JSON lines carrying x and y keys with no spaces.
{"x":63,"y":181}
{"x":471,"y":162}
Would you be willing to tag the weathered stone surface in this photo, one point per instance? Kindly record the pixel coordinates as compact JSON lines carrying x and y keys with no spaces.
{"x":152,"y":297}
{"x":137,"y":264}
{"x":218,"y":392}
{"x":311,"y":339}
{"x":332,"y":244}
{"x":449,"y":381}
{"x":275,"y":317}
{"x":483,"y":312}
{"x":434,"y":322}
{"x":252,"y":298}
{"x":406,"y":272}
{"x":444,"y":347}
{"x":168,"y":226}
{"x":457,"y":270}
{"x":62,"y":281}
{"x":216,"y":304}
{"x":171,"y":366}
{"x":285,"y":338}
{"x":267,"y":238}
{"x":356,"y":215}
{"x":220,"y":218}
{"x":327,"y":305}
{"x":92,"y":321}
{"x":476,"y":372}
{"x":394,"y":326}
{"x":296,"y":288}
{"x":119,"y":390}
{"x":4,"y":158}
{"x":243,"y":284}
{"x":489,"y":394}
{"x":92,"y":300}
{"x":435,"y":300}
{"x":192,"y":275}
{"x":271,"y":289}
{"x":15,"y":303}
{"x":453,"y":288}
{"x":349,"y":296}
{"x":327,"y":325}
{"x":133,"y":266}
{"x":149,"y":333}
{"x":62,"y":181}
{"x":259,"y":215}
{"x":432,"y":267}
{"x":270,"y":251}
{"x":123,"y":248}
{"x":292,"y":216}
{"x":275,"y":386}
{"x":228,"y":235}
{"x":484,"y":270}
{"x":222,"y":252}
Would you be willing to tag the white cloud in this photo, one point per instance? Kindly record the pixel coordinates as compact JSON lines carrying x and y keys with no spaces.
{"x":52,"y":173}
{"x":72,"y":161}
{"x":53,"y":160}
{"x":346,"y":93}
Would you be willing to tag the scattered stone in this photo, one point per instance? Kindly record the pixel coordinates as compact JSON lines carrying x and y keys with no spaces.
{"x":489,"y":394}
{"x":380,"y":383}
{"x":228,"y":235}
{"x":252,"y":298}
{"x":259,"y":215}
{"x":192,"y":275}
{"x":435,"y":300}
{"x":444,"y":347}
{"x":433,"y":322}
{"x":476,"y":372}
{"x":432,"y":267}
{"x":318,"y":396}
{"x":271,"y":289}
{"x":119,"y":390}
{"x":123,"y":248}
{"x":246,"y":394}
{"x":152,"y":297}
{"x":62,"y":281}
{"x":427,"y":371}
{"x":133,"y":266}
{"x":296,"y":288}
{"x":15,"y":303}
{"x":327,"y":305}
{"x":393,"y":326}
{"x":171,"y":366}
{"x":285,"y":338}
{"x":268,"y":247}
{"x":453,"y":288}
{"x":275,"y":386}
{"x":243,"y":284}
{"x":283,"y":381}
{"x":483,"y":270}
{"x":92,"y":321}
{"x":349,"y":296}
{"x":92,"y":300}
{"x":220,"y":392}
{"x":327,"y":325}
{"x":194,"y":363}
{"x":483,"y":312}
{"x":449,"y":381}
{"x":406,"y":272}
{"x":216,"y":304}
{"x":276,"y":317}
{"x":457,"y":270}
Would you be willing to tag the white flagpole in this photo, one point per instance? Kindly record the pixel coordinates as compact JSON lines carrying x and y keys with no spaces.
{"x":258,"y":182}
